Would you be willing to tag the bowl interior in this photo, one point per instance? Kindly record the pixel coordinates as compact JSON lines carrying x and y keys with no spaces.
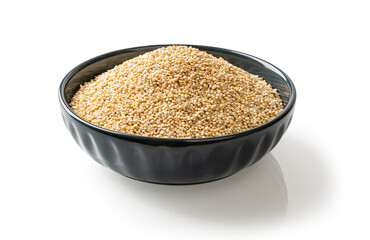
{"x":93,"y":67}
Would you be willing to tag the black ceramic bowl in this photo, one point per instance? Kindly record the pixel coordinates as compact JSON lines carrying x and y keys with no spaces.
{"x":176,"y":161}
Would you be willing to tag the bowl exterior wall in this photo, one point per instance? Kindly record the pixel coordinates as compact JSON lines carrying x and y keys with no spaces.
{"x":176,"y":165}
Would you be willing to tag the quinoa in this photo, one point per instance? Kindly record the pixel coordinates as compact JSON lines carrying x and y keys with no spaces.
{"x":177,"y":92}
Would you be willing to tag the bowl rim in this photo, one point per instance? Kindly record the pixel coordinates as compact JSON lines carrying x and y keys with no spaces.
{"x":176,"y":141}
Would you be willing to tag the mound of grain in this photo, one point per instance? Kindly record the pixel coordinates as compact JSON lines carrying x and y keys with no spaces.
{"x":177,"y":92}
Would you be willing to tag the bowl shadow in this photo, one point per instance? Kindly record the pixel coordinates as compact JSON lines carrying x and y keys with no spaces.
{"x":256,"y":193}
{"x":307,"y":175}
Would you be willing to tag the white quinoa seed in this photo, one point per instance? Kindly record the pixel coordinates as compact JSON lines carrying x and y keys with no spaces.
{"x":177,"y":92}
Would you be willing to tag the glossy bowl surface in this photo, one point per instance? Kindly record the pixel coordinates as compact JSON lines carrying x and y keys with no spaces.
{"x":176,"y":161}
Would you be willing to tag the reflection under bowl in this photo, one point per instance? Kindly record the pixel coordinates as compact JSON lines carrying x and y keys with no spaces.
{"x":254,"y":195}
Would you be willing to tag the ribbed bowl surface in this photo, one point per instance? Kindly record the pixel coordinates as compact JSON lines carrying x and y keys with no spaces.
{"x":176,"y":161}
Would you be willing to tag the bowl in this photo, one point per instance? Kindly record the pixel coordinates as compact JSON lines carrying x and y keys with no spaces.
{"x":173,"y":160}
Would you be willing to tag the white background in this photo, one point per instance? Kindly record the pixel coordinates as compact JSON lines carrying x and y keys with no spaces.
{"x":318,"y":175}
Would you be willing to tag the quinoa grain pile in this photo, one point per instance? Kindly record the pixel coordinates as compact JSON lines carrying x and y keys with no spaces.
{"x":177,"y":92}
